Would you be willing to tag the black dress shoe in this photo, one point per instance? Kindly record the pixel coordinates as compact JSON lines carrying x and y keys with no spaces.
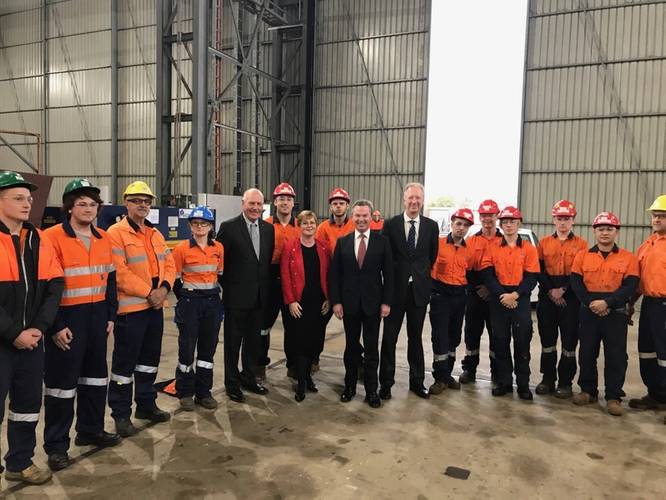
{"x":100,"y":439}
{"x":311,"y":386}
{"x":255,"y":388}
{"x":385,"y":393}
{"x":347,"y":395}
{"x":500,"y":390}
{"x":299,"y":396}
{"x":420,"y":391}
{"x":525,"y":393}
{"x":236,"y":395}
{"x":373,"y":400}
{"x":154,"y":414}
{"x":58,"y":461}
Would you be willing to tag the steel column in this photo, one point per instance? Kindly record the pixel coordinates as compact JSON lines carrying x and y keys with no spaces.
{"x":201,"y":30}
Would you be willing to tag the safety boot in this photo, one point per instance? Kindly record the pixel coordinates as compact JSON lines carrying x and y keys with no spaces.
{"x":30,"y":475}
{"x":614,"y":407}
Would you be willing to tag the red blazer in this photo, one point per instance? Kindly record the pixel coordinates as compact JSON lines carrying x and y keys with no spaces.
{"x":293,"y":271}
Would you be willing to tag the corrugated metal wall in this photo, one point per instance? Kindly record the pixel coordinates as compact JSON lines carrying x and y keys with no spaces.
{"x":594,"y":128}
{"x":370,"y":138}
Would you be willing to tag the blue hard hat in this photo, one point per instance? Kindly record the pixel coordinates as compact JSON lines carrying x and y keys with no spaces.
{"x":201,"y":212}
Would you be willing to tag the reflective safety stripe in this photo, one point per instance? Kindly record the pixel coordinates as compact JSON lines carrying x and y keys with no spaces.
{"x":452,"y":354}
{"x":93,"y":381}
{"x":552,"y":348}
{"x":471,"y":352}
{"x":568,"y":354}
{"x":199,"y":286}
{"x":220,"y":273}
{"x":118,"y":251}
{"x":145,"y":369}
{"x":661,"y":362}
{"x":491,"y":354}
{"x":647,"y":355}
{"x":204,"y":364}
{"x":60,"y":393}
{"x":119,"y":379}
{"x":84,"y":292}
{"x":440,"y":357}
{"x":178,"y":275}
{"x":136,"y":259}
{"x":23,"y":417}
{"x":132,"y":301}
{"x":162,"y":256}
{"x":185,"y":368}
{"x":85,"y":270}
{"x":265,"y":332}
{"x":203,"y":268}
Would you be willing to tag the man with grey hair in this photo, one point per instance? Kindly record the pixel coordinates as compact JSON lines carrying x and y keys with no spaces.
{"x":414,"y":245}
{"x":360,"y":289}
{"x":248,"y":247}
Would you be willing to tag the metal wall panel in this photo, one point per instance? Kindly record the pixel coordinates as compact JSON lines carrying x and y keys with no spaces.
{"x":20,"y":28}
{"x":90,"y":50}
{"x":78,"y":16}
{"x":594,"y":124}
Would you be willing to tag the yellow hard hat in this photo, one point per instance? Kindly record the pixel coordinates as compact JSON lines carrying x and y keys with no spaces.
{"x":138,"y":187}
{"x":659,"y":204}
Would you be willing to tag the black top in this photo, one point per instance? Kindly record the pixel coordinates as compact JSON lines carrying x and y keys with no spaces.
{"x":312,"y":292}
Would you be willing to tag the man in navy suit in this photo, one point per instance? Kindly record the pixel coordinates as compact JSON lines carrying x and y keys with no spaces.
{"x":360,"y":289}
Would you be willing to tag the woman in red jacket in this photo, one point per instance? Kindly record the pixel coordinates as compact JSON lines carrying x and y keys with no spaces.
{"x":304,"y":266}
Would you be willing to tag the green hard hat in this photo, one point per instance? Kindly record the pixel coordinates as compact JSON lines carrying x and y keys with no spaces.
{"x":76,"y":184}
{"x":11,"y":179}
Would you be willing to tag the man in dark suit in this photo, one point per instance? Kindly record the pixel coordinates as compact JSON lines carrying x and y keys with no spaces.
{"x":248,"y":247}
{"x":360,"y":288}
{"x":414,"y":243}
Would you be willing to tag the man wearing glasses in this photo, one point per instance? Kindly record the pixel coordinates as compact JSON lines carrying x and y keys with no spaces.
{"x":31,"y":283}
{"x":145,"y":272}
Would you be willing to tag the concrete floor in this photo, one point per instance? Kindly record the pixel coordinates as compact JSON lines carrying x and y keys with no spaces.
{"x":273,"y":447}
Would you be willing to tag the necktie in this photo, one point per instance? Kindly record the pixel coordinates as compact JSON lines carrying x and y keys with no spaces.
{"x":361,"y":251}
{"x":254,"y":234}
{"x":411,"y":238}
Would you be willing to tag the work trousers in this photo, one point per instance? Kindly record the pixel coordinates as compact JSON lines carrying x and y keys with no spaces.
{"x":392,"y":325}
{"x":79,"y":372}
{"x":553,"y":320}
{"x":241,"y":329}
{"x":269,"y":316}
{"x":21,"y":377}
{"x":137,"y":348}
{"x":652,"y":346}
{"x":477,"y":316}
{"x":446,"y":319}
{"x":513,"y":324}
{"x":198,"y":321}
{"x":612,"y":331}
{"x":357,"y":325}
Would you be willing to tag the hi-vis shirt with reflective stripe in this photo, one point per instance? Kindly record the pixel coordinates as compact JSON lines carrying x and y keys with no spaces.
{"x":198,"y":268}
{"x":134,"y":273}
{"x":86,"y":272}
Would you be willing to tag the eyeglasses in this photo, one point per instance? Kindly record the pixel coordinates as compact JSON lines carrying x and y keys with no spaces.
{"x":140,"y":201}
{"x":20,"y":200}
{"x":87,"y":205}
{"x":200,"y":223}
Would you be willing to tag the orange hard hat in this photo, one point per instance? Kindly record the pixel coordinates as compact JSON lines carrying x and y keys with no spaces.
{"x":284,"y":189}
{"x":564,"y":208}
{"x":488,"y":207}
{"x":606,"y":219}
{"x":465,"y":214}
{"x":339,"y":194}
{"x":510,"y":213}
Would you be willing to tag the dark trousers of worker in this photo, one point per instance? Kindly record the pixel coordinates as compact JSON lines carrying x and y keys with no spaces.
{"x":392,"y":325}
{"x":21,"y":377}
{"x":612,"y":331}
{"x":270,"y":315}
{"x":652,"y":346}
{"x":241,"y":330}
{"x":79,"y":372}
{"x":198,"y":321}
{"x":553,"y":319}
{"x":356,"y":326}
{"x":477,"y":316}
{"x":511,"y":324}
{"x":137,"y":348}
{"x":446,"y":319}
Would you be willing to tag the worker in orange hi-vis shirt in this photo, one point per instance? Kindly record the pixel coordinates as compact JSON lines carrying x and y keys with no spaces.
{"x":510,"y":272}
{"x":558,"y":307}
{"x":652,"y":322}
{"x":286,"y":228}
{"x":605,"y":279}
{"x":448,"y":299}
{"x":377,"y":222}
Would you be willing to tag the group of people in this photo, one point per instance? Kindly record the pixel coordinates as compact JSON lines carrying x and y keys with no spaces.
{"x":65,"y":289}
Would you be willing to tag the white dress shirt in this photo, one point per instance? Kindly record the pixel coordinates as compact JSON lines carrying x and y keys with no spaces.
{"x":357,"y":241}
{"x":408,"y":226}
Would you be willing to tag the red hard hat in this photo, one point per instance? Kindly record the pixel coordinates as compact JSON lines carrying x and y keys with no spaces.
{"x":564,"y":208}
{"x":510,"y":213}
{"x":488,"y":207}
{"x":606,"y":219}
{"x":339,"y":194}
{"x":284,"y":189}
{"x":465,"y":214}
